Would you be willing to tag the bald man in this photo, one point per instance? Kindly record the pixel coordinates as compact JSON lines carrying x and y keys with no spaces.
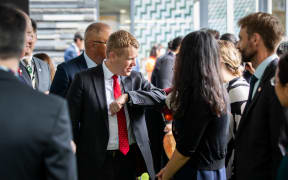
{"x":96,"y":36}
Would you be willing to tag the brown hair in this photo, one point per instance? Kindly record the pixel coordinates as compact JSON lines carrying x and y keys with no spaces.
{"x":266,"y":25}
{"x":120,"y":39}
{"x":47,"y":59}
{"x":231,"y":57}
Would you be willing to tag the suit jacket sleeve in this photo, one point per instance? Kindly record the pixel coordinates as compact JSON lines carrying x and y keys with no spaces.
{"x":147,"y":95}
{"x":74,"y":97}
{"x":59,"y":158}
{"x":60,"y":83}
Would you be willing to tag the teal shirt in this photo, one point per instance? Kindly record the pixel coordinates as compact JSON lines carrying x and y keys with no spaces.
{"x":260,"y":70}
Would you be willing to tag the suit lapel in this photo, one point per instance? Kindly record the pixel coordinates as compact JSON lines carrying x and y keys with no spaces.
{"x":25,"y":76}
{"x":268,"y":73}
{"x":82,"y":65}
{"x":126,"y":83}
{"x":98,"y":82}
{"x":38,"y":72}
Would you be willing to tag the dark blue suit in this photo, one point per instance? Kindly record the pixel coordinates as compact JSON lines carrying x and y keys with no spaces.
{"x":261,"y":130}
{"x":35,"y":134}
{"x":65,"y":74}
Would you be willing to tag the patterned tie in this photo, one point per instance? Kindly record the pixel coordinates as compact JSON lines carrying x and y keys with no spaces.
{"x":122,"y":127}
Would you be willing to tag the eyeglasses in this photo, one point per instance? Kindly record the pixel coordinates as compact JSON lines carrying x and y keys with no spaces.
{"x":273,"y":81}
{"x":99,"y":42}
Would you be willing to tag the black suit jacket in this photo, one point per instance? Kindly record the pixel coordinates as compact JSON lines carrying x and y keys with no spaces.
{"x":163,"y":71}
{"x":161,"y":78}
{"x":35,"y":134}
{"x":65,"y":74}
{"x":88,"y":107}
{"x":257,"y":152}
{"x":42,"y":69}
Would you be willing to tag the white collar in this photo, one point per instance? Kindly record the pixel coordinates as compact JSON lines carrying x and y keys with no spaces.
{"x":90,"y":63}
{"x":107,"y":73}
{"x":28,"y":58}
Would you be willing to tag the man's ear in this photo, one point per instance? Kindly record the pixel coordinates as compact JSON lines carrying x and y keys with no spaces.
{"x":256,"y":39}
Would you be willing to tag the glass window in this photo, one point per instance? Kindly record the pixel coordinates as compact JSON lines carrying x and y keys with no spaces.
{"x":278,"y":9}
{"x":116,"y":13}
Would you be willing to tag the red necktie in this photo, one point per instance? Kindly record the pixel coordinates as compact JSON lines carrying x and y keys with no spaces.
{"x":122,"y":127}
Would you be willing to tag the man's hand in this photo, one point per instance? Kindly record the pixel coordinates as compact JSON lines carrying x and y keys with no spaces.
{"x":162,"y":174}
{"x":168,"y":128}
{"x":118,"y":104}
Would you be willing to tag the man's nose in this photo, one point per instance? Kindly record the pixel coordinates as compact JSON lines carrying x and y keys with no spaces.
{"x":238,"y":45}
{"x":134,"y":62}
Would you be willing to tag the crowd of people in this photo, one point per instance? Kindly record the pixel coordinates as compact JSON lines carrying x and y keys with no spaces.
{"x":97,"y":118}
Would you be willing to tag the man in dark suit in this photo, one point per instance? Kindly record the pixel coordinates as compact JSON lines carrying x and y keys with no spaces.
{"x":35,"y":131}
{"x":34,"y":72}
{"x":95,"y":39}
{"x":108,"y":118}
{"x":161,"y":78}
{"x":163,"y":72}
{"x":257,"y":152}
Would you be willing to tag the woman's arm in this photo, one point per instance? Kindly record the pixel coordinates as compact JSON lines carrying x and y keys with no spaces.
{"x":175,"y":163}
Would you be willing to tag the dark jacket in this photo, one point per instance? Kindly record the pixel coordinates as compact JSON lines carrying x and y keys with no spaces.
{"x":35,"y":134}
{"x":261,"y":128}
{"x":161,"y":78}
{"x":88,"y":107}
{"x":163,"y":71}
{"x":65,"y":74}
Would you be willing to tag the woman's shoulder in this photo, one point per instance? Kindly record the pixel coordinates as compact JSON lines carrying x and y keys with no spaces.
{"x":238,"y":90}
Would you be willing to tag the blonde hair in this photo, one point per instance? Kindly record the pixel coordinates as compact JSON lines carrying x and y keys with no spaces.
{"x":231,"y":57}
{"x":120,"y":39}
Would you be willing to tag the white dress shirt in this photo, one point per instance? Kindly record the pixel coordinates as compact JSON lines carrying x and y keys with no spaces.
{"x":113,"y":143}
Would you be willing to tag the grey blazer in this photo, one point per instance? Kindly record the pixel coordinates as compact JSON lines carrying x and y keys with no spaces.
{"x":43,"y":82}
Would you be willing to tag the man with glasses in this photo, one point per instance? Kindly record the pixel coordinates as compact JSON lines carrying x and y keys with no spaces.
{"x":95,"y":39}
{"x":33,"y":71}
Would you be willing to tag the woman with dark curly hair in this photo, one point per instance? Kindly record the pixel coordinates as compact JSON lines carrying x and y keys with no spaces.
{"x":199,"y":103}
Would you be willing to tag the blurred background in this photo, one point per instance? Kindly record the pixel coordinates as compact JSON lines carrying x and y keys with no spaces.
{"x":151,"y":21}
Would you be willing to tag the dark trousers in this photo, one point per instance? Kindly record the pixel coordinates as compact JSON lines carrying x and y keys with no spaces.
{"x":118,"y":166}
